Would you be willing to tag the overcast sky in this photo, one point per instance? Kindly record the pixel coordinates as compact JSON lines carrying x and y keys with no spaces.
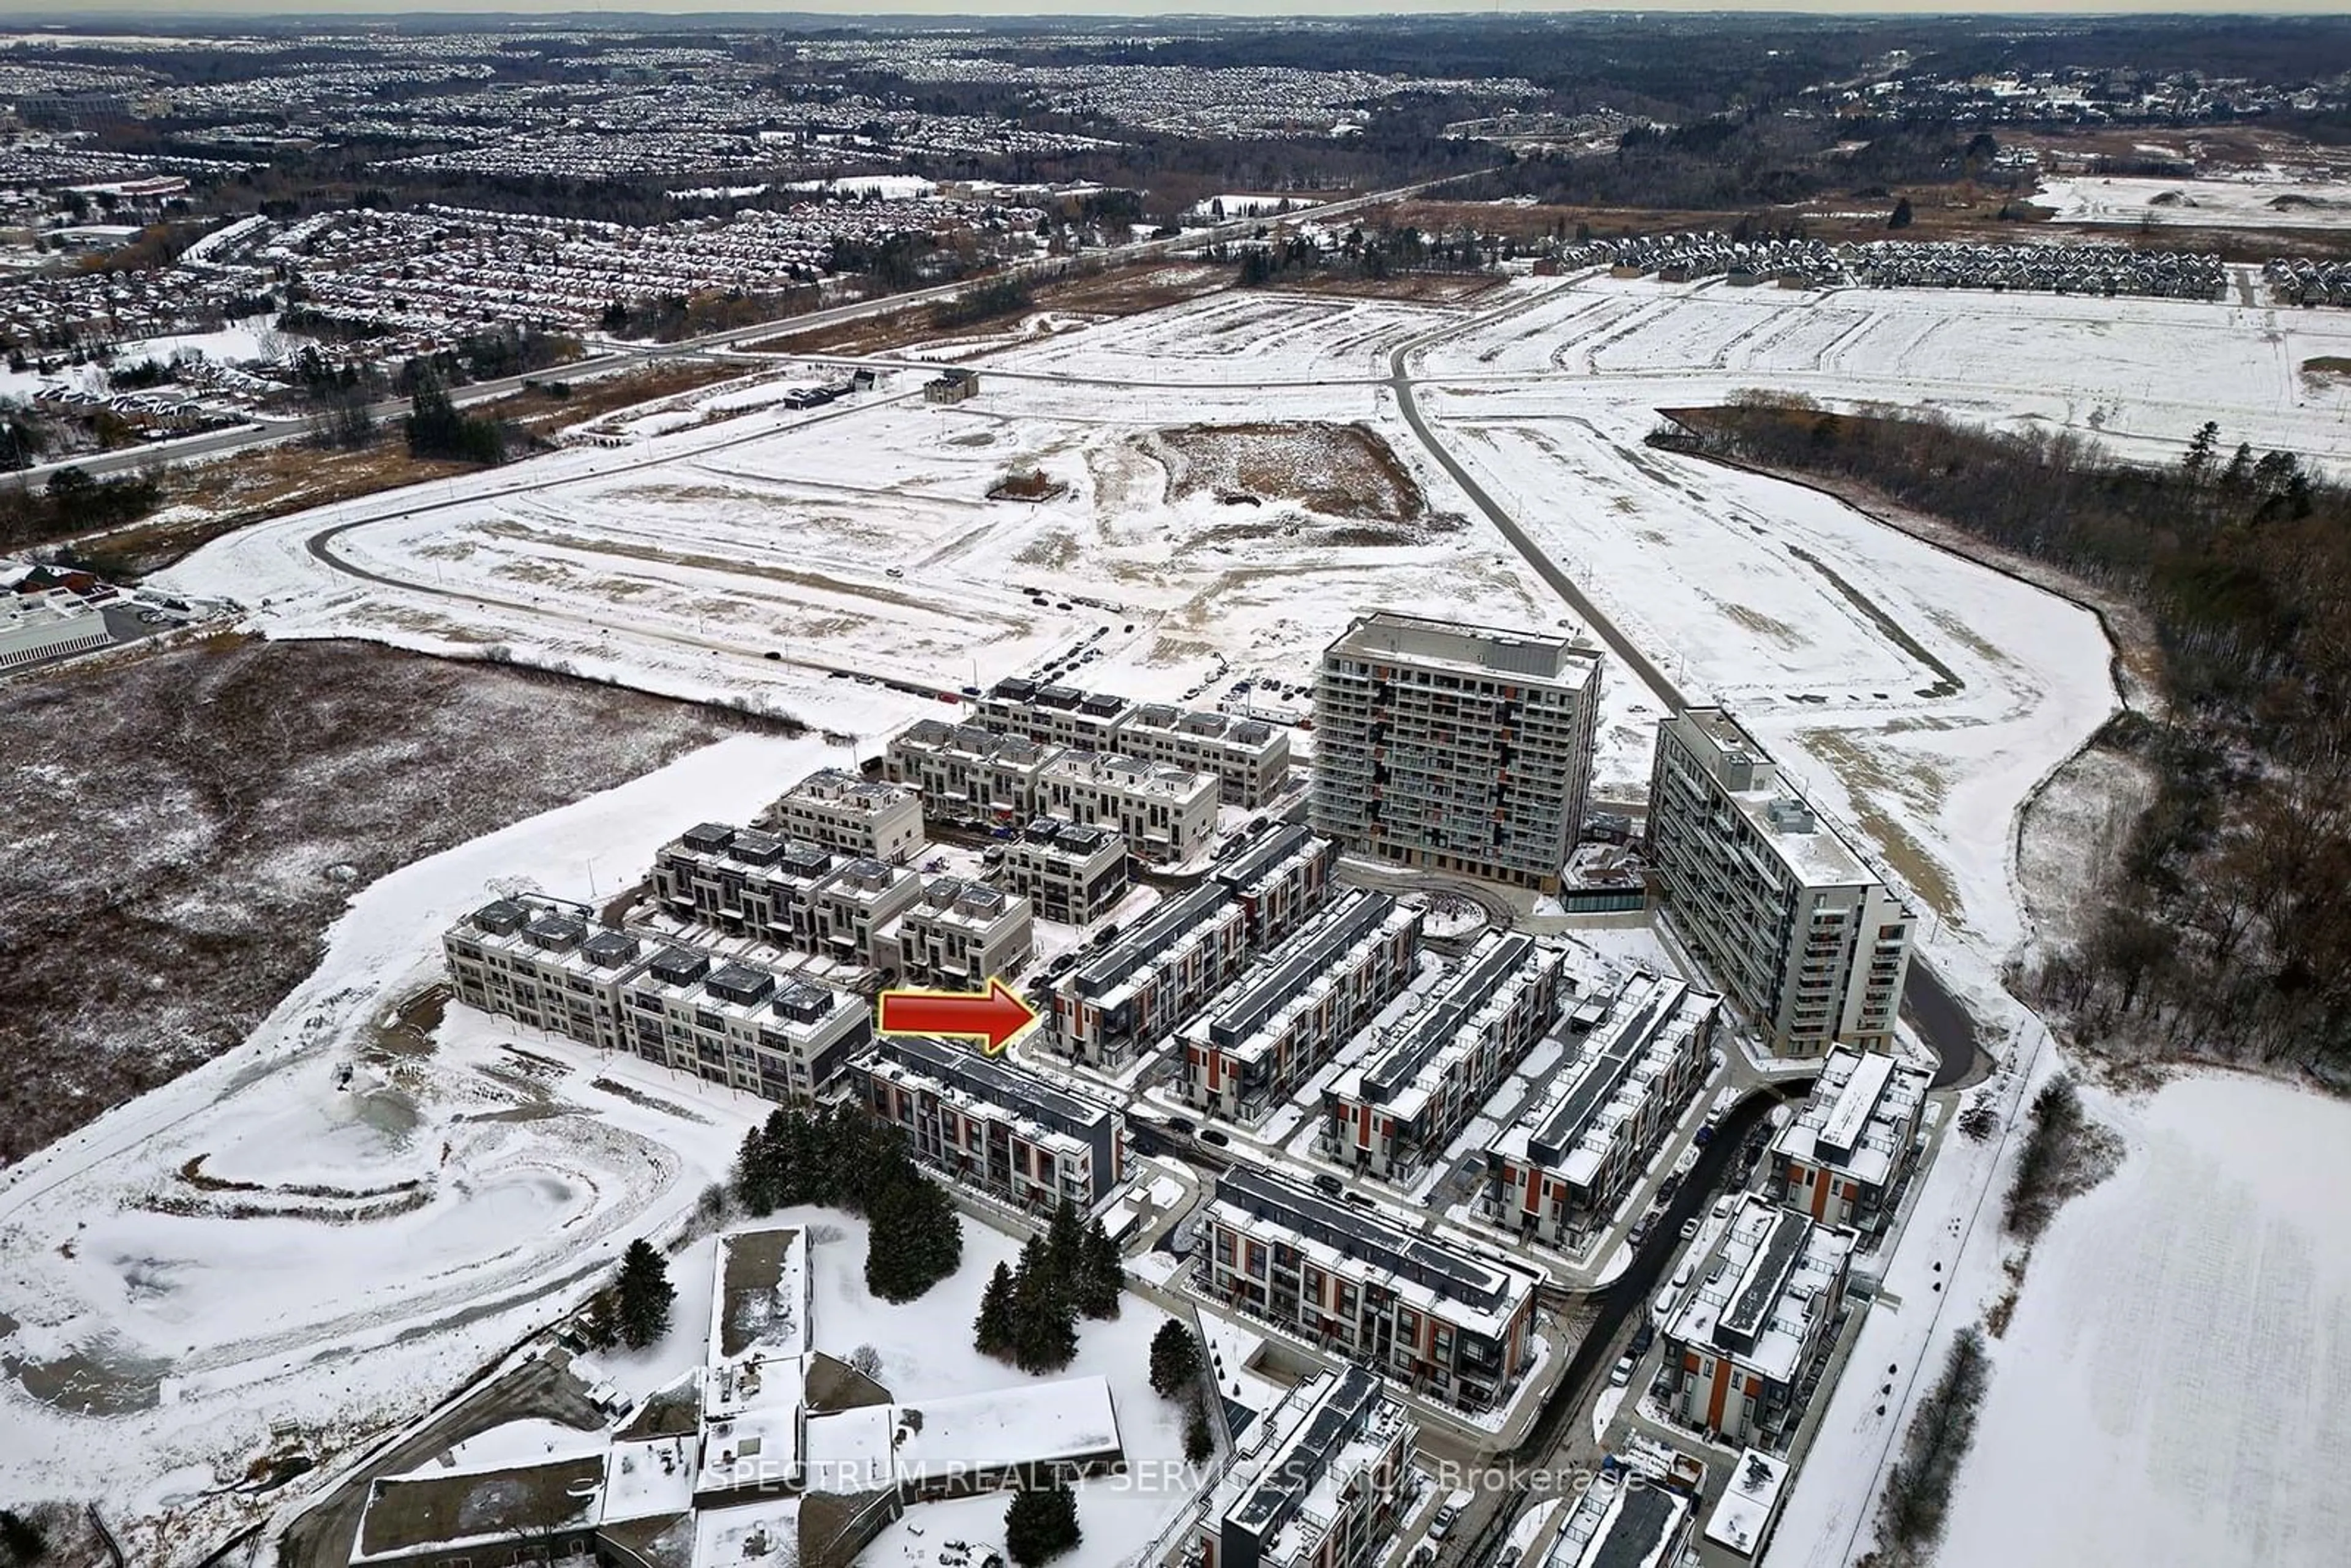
{"x":93,"y":14}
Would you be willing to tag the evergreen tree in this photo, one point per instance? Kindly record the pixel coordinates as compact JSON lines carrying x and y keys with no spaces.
{"x":24,"y":1541}
{"x":1101,"y":1276}
{"x":914,"y":1239}
{"x":1175,"y":1358}
{"x":1041,"y":1524}
{"x":1901,"y":218}
{"x":1065,"y":1244}
{"x":754,"y":1178}
{"x":991,"y":1333}
{"x":643,"y":1294}
{"x":1045,"y":1324}
{"x":1199,"y":1442}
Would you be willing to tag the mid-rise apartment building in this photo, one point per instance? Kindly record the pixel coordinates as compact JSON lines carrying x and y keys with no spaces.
{"x":1249,"y":758}
{"x":1805,"y":939}
{"x":1421,"y":1083}
{"x":1844,"y":1157}
{"x":1321,"y":1481}
{"x":851,"y":815}
{"x":1146,"y":984}
{"x":989,"y":1121}
{"x":968,"y":773}
{"x":1070,"y":873}
{"x":543,"y":964}
{"x":743,"y":882}
{"x":1294,"y":1008}
{"x":956,"y":934}
{"x":1444,"y":1321}
{"x":1455,"y":748}
{"x":1759,"y":1317}
{"x":739,"y":1024}
{"x":1282,"y":878}
{"x":855,"y":905}
{"x":1166,"y":813}
{"x":1581,"y":1144}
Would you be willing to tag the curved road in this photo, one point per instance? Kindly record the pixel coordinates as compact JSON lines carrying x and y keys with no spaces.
{"x":1940,"y":1018}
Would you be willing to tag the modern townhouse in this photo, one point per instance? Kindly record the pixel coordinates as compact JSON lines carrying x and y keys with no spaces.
{"x":851,"y":815}
{"x":1560,"y":1171}
{"x":856,"y":903}
{"x":1141,"y":987}
{"x":1249,"y":757}
{"x":1430,"y":1071}
{"x":1438,"y":1319}
{"x":1843,"y":1159}
{"x":992,"y":1123}
{"x":1281,"y":879}
{"x":739,"y":1024}
{"x":1744,"y":1347}
{"x":1806,"y":940}
{"x":1167,"y":814}
{"x":1321,"y":1481}
{"x":543,"y":964}
{"x":743,"y":883}
{"x":1292,"y":1010}
{"x":956,"y":934}
{"x":1455,"y":748}
{"x":1056,"y":716}
{"x":968,"y":773}
{"x":1070,"y":873}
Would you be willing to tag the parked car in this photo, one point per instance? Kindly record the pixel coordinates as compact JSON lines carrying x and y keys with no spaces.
{"x":771,"y":653}
{"x":1442,"y":1525}
{"x":1689,"y":1227}
{"x":1329,"y":1183}
{"x":1179,"y":1124}
{"x":1622,"y":1374}
{"x":1642,"y":1338}
{"x":1215,"y":1135}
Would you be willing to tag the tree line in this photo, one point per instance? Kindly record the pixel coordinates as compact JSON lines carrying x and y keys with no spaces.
{"x":2223,"y":931}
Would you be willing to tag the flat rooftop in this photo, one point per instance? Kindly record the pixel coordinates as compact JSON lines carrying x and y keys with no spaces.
{"x":1484,"y":652}
{"x":408,"y":1514}
{"x":1816,"y":853}
{"x":1364,"y":1235}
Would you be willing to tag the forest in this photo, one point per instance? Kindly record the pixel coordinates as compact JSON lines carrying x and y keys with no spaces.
{"x":2224,"y":931}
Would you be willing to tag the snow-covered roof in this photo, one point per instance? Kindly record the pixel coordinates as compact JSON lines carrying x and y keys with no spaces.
{"x":1573,"y":1124}
{"x":1748,"y":1501}
{"x":1761,"y":1292}
{"x":1862,"y":1111}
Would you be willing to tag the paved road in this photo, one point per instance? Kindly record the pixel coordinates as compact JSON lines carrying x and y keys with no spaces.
{"x":1557,"y":1438}
{"x":1939,"y":1017}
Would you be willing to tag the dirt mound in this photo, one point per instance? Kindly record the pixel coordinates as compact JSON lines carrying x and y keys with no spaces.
{"x":1338,"y":470}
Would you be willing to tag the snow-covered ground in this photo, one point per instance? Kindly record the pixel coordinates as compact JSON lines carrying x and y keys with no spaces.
{"x":2172,"y":1387}
{"x":2255,"y":202}
{"x":373,"y":1244}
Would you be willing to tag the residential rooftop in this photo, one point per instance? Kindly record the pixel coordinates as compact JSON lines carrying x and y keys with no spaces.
{"x":1485,"y":652}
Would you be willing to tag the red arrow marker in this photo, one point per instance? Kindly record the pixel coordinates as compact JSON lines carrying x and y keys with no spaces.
{"x":993,"y":1016}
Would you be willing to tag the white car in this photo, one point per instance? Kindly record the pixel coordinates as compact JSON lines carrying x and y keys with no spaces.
{"x":1623,"y":1373}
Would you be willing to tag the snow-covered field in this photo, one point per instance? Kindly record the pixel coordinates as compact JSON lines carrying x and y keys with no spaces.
{"x":255,"y":1244}
{"x":1920,"y":697}
{"x":2253,"y":203}
{"x":2173,"y":1387}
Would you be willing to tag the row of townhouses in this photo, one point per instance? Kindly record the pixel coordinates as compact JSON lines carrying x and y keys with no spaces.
{"x":857,"y":910}
{"x":1285,"y":1015}
{"x":850,"y":815}
{"x":730,"y":1023}
{"x":1560,"y":1171}
{"x":1321,"y":1481}
{"x":1151,"y":979}
{"x":1425,"y":1067}
{"x":1166,"y":813}
{"x":1437,"y":1317}
{"x":1248,"y":759}
{"x":993,"y":1124}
